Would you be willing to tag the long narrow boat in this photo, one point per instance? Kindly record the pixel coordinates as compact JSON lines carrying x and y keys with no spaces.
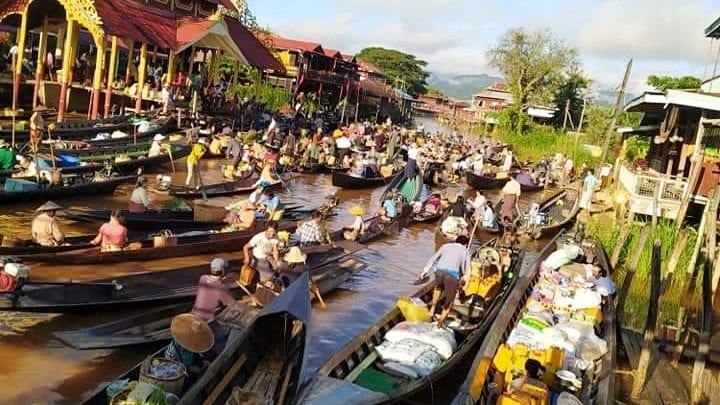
{"x":106,"y":186}
{"x":150,"y":220}
{"x":556,"y":212}
{"x":262,"y":361}
{"x":154,"y":326}
{"x":137,"y":291}
{"x":76,"y":129}
{"x":485,"y":182}
{"x":343,"y":179}
{"x":228,"y":188}
{"x":188,"y":244}
{"x":357,"y":368}
{"x":17,"y":247}
{"x":480,"y":385}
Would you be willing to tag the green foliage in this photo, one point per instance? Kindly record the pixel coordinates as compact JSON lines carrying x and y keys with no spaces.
{"x":538,"y":141}
{"x":570,"y":92}
{"x":637,"y":146}
{"x":664,"y":83}
{"x":399,"y":67}
{"x":273,"y":97}
{"x":608,"y":232}
{"x":533,"y":65}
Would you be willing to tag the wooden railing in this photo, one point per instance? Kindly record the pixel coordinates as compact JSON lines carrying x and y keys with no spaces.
{"x":653,"y":193}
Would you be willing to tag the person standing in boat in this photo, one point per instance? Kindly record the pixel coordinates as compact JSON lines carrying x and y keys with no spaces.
{"x":265,"y":254}
{"x":450,"y":263}
{"x":37,"y":127}
{"x":510,"y":196}
{"x":196,"y":153}
{"x":45,"y":228}
{"x":140,"y":199}
{"x":212,"y":292}
{"x":507,"y":160}
{"x":112,"y":235}
{"x":412,"y":154}
{"x":273,"y":206}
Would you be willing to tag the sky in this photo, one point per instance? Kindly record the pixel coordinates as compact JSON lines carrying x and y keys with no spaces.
{"x":663,"y":37}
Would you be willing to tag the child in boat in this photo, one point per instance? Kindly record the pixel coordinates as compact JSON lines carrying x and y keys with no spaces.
{"x":358,"y":226}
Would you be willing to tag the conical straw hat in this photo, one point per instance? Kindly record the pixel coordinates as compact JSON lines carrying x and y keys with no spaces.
{"x":192,"y":333}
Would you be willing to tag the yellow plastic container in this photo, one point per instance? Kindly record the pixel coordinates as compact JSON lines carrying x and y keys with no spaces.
{"x":412,"y":312}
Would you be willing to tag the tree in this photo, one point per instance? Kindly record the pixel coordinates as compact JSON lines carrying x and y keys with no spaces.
{"x":399,"y":67}
{"x":664,"y":83}
{"x":570,"y":93}
{"x":533,"y":64}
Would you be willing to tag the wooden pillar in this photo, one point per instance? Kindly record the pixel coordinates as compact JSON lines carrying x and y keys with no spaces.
{"x":68,"y":62}
{"x":142,"y":73}
{"x":131,"y":48}
{"x":40,"y":68}
{"x":192,"y":61}
{"x":98,"y":76}
{"x":112,"y":65}
{"x":17,"y":68}
{"x":695,"y":168}
{"x":171,"y":68}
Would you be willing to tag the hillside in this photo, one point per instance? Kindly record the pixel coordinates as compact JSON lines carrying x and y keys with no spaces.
{"x":461,"y":87}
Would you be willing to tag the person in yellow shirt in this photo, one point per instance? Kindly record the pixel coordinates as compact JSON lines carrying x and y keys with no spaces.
{"x":198,"y":150}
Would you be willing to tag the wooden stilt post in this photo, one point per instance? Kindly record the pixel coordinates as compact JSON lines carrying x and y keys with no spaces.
{"x":67,"y":66}
{"x":697,"y":392}
{"x":40,"y":62}
{"x":680,"y":244}
{"x":98,"y":76}
{"x":630,"y":274}
{"x":128,"y":68}
{"x":650,"y":323}
{"x":171,"y":68}
{"x":112,"y":66}
{"x":618,"y":109}
{"x":695,"y":169}
{"x":17,"y":67}
{"x":142,"y":73}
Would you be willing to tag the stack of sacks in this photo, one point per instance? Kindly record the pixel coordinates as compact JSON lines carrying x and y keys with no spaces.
{"x":416,"y":349}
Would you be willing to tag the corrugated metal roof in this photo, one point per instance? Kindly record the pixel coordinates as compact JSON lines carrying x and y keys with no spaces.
{"x":713,"y":30}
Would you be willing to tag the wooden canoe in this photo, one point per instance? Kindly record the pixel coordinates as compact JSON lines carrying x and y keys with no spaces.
{"x":241,"y":186}
{"x":559,"y":211}
{"x":479,"y":386}
{"x":75,"y":129}
{"x":359,"y":356}
{"x":189,"y":244}
{"x":262,"y":360}
{"x":59,"y":192}
{"x":485,"y":182}
{"x":344,"y":180}
{"x":154,"y":326}
{"x":149,"y":221}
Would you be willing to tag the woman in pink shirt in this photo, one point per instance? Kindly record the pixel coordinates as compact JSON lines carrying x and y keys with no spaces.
{"x":112,"y":235}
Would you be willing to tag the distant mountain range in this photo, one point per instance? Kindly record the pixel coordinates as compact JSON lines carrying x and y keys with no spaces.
{"x":461,"y":87}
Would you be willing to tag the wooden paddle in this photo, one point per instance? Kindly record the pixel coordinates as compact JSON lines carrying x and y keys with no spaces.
{"x":250,"y":295}
{"x":170,"y":155}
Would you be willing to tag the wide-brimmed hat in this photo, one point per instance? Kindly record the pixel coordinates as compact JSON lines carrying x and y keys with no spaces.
{"x":219,"y":265}
{"x":158,"y":137}
{"x":357,"y":210}
{"x":192,"y":333}
{"x":48,"y":206}
{"x":295,"y":255}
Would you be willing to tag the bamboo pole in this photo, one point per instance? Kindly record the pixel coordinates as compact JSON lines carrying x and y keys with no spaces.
{"x":142,"y":76}
{"x":616,"y":114}
{"x":650,"y":323}
{"x":98,"y":75}
{"x":40,"y":62}
{"x":17,"y":67}
{"x":67,"y":66}
{"x":112,"y":66}
{"x":630,"y":274}
{"x":695,"y":169}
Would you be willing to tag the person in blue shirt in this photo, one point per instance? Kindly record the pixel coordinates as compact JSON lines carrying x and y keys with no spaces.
{"x":390,"y":208}
{"x":272,"y":204}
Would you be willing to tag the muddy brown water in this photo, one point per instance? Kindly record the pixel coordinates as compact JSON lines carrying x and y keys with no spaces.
{"x":36,"y":368}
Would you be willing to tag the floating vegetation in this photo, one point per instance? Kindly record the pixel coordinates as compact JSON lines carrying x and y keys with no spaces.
{"x":15,"y":323}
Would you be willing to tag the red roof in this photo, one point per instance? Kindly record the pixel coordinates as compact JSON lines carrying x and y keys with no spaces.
{"x":292,"y":44}
{"x":374,"y":88}
{"x":138,"y":22}
{"x":369,"y":67}
{"x":255,"y":52}
{"x":332,"y":53}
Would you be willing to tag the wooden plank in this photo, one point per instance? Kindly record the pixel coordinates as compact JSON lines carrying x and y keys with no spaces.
{"x":367,"y":361}
{"x":286,"y":382}
{"x":650,"y":322}
{"x":215,"y":394}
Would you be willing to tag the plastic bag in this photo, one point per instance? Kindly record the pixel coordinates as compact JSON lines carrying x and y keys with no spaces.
{"x":442,"y":339}
{"x":402,"y":351}
{"x":412,"y":312}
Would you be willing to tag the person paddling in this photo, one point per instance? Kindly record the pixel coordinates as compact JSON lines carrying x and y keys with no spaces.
{"x":112,"y":235}
{"x":212,"y":292}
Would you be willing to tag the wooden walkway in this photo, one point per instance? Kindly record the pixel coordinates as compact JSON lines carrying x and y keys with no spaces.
{"x":665,"y":384}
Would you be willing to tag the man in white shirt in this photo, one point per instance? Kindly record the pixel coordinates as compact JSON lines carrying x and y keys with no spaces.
{"x":411,"y":168}
{"x":265,"y":255}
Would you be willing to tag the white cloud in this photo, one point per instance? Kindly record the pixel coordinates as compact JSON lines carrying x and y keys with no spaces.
{"x":650,"y":29}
